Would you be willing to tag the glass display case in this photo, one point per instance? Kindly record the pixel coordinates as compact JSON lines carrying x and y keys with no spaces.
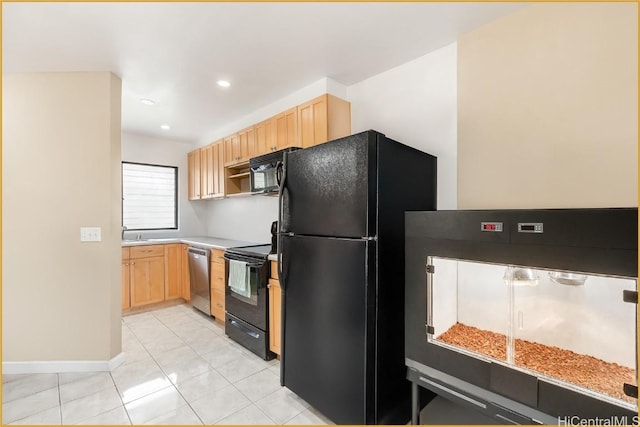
{"x":570,"y":328}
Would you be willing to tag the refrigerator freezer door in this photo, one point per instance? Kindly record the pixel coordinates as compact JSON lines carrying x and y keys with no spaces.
{"x":328,"y":312}
{"x":330,"y":189}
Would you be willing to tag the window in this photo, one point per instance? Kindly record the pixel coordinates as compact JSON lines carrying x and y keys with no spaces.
{"x":149,"y":196}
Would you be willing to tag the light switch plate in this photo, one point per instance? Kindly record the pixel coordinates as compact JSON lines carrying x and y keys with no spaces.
{"x":90,"y":234}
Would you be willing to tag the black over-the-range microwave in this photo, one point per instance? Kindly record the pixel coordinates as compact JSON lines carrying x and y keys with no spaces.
{"x":266,"y":171}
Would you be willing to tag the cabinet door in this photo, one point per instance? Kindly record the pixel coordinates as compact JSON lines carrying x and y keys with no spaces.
{"x":193,"y":167}
{"x":246,"y":144}
{"x":172,"y":271}
{"x":231,"y":150}
{"x":265,"y":141}
{"x":147,"y":280}
{"x":275,"y":311}
{"x":217,"y":171}
{"x":126,"y":287}
{"x":286,"y":129}
{"x":312,"y":122}
{"x":186,"y":290}
{"x":218,"y":277}
{"x":206,"y":172}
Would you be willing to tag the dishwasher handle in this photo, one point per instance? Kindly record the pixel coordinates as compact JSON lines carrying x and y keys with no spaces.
{"x":198,"y":251}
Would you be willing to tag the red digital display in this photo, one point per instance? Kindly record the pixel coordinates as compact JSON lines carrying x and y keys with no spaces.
{"x":491,"y":226}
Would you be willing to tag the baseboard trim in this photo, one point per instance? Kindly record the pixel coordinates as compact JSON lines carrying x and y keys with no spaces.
{"x":50,"y":367}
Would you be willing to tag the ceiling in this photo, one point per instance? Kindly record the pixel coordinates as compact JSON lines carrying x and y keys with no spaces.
{"x":173,"y":53}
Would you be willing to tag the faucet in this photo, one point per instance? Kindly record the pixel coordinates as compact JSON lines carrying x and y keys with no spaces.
{"x":124,"y":228}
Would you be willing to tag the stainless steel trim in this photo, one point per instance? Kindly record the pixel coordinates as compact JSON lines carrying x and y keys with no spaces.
{"x":429,"y":280}
{"x":200,"y":279}
{"x":530,"y":227}
{"x":455,"y":393}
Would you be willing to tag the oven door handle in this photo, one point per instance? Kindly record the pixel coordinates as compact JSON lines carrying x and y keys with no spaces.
{"x":245,"y":330}
{"x":249,"y":263}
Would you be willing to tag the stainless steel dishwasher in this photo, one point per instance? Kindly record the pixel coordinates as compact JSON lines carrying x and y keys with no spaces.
{"x":199,"y":279}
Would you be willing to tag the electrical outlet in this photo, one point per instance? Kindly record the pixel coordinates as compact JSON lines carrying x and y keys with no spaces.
{"x":90,"y":234}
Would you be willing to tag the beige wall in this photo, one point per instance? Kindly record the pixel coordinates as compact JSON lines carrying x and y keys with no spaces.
{"x":61,"y":171}
{"x":548,"y":108}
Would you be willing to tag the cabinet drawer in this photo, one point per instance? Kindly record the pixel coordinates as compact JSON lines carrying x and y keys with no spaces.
{"x":274,"y":270}
{"x":217,"y":305}
{"x":125,"y":253}
{"x":217,"y":271}
{"x":217,"y":281}
{"x":146,"y":251}
{"x":217,"y":256}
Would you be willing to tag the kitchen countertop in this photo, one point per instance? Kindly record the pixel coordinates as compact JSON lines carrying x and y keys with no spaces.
{"x":272,"y":257}
{"x":200,"y":241}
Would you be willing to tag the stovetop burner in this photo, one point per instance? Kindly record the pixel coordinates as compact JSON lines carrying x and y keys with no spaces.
{"x":258,"y":251}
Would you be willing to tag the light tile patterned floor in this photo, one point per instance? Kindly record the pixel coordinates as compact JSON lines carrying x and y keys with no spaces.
{"x":180,"y":369}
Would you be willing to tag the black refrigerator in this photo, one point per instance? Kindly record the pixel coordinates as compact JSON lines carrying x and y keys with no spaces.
{"x":342,"y":207}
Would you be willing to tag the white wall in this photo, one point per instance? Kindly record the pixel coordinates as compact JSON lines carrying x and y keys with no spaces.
{"x":167,"y":152}
{"x":242,"y":218}
{"x":60,"y":171}
{"x":548,"y":108}
{"x":415,"y":103}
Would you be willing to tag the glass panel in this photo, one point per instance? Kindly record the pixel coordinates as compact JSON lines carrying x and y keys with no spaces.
{"x":570,"y":328}
{"x":149,"y":196}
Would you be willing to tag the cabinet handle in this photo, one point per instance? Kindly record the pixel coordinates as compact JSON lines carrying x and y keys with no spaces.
{"x":220,"y":278}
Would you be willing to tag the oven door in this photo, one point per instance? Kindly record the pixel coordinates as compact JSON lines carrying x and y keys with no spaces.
{"x":246,"y":293}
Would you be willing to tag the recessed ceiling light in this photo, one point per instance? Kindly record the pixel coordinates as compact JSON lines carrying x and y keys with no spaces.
{"x":165,"y":127}
{"x":223,"y":83}
{"x":146,"y":101}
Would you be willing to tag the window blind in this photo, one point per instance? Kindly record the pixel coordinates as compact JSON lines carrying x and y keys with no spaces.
{"x":149,"y":196}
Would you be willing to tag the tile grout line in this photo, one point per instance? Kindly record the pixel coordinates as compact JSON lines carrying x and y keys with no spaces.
{"x":163,"y":371}
{"x":174,"y":385}
{"x":59,"y":397}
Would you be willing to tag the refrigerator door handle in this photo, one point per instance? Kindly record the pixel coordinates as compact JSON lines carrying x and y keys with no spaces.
{"x":282,"y":182}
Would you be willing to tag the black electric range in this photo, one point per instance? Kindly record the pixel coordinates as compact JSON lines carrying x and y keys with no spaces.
{"x":247,"y":297}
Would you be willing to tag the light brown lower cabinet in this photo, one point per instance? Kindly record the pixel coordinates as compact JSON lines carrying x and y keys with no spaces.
{"x":147,"y":280}
{"x":172,"y":271}
{"x":154,"y":273}
{"x":218,"y":273}
{"x":275,"y":310}
{"x":126,"y":287}
{"x":186,"y":289}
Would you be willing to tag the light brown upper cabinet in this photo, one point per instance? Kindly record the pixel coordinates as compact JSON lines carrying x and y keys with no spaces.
{"x":247,"y":144}
{"x":206,"y":172}
{"x":265,"y":138}
{"x":212,"y":170}
{"x":323,"y":119}
{"x":231,"y":149}
{"x":218,"y":169}
{"x":239,"y":147}
{"x":193,"y":167}
{"x":286,"y":129}
{"x":221,"y":169}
